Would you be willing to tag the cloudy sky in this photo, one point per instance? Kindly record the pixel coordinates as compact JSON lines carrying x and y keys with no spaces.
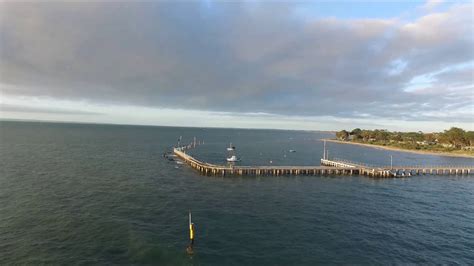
{"x":296,"y":65}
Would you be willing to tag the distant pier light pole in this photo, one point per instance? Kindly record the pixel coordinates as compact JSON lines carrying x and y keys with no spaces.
{"x":391,"y":162}
{"x":324,"y":150}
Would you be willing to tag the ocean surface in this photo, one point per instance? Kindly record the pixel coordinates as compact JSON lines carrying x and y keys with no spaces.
{"x":104,"y":194}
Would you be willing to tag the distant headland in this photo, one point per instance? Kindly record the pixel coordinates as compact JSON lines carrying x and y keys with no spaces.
{"x":453,"y":142}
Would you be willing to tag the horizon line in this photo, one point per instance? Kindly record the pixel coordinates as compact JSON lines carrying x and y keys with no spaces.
{"x":203,"y":127}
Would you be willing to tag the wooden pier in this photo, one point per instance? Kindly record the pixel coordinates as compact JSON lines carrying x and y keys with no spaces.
{"x":328,"y":167}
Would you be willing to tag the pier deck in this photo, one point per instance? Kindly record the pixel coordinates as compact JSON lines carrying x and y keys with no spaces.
{"x":328,"y":167}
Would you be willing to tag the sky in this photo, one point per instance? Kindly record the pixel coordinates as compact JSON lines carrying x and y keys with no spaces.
{"x":309,"y":65}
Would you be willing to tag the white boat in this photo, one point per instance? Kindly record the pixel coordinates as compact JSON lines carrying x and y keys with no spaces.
{"x":231,"y":148}
{"x":233,"y":158}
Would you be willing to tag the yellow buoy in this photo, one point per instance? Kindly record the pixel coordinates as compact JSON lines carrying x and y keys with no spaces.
{"x":189,"y":249}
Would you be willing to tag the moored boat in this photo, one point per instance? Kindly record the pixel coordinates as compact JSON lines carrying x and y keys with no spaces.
{"x":231,"y":148}
{"x":233,"y":158}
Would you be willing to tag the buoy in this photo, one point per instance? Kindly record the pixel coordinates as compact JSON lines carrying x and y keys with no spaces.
{"x":190,"y":248}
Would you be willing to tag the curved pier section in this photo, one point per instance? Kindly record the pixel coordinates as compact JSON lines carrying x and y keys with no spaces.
{"x":328,"y":167}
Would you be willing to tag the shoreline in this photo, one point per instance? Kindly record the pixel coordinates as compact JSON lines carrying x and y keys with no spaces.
{"x":400,"y":149}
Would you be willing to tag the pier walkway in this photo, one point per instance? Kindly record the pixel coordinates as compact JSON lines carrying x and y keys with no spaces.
{"x":328,"y":167}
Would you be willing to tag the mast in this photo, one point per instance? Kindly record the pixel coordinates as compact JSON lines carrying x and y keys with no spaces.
{"x":324,"y":150}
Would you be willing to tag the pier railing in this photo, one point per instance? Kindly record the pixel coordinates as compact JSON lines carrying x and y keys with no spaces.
{"x":401,"y":166}
{"x":353,"y":162}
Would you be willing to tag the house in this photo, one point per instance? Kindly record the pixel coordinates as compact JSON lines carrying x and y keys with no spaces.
{"x":447,"y":145}
{"x":424,"y":142}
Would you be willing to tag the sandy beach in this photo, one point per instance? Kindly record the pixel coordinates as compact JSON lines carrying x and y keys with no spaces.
{"x":400,"y":149}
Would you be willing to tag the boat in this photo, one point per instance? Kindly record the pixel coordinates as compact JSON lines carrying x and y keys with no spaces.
{"x":233,"y":158}
{"x":292,"y":150}
{"x":231,"y":148}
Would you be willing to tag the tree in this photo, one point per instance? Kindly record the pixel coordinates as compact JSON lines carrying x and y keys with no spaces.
{"x":342,"y":135}
{"x":469,"y":137}
{"x":396,"y":137}
{"x":381,"y":135}
{"x":366,"y":134}
{"x":429,"y":137}
{"x":356,"y":131}
{"x":413,"y":137}
{"x":455,"y":136}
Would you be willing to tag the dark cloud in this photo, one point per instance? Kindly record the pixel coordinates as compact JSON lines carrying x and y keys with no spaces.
{"x":234,"y":57}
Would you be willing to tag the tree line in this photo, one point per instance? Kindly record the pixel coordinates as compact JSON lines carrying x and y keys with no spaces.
{"x":453,"y":138}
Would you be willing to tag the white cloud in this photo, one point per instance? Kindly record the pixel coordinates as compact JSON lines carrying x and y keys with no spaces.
{"x":431,"y":4}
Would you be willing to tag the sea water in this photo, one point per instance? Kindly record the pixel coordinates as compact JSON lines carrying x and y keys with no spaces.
{"x":104,"y":194}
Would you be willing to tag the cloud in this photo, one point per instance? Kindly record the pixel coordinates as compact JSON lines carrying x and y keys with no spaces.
{"x":237,"y":57}
{"x":42,"y":110}
{"x":431,"y":4}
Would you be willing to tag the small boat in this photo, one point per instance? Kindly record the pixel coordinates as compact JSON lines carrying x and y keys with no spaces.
{"x":179,"y":162}
{"x":292,"y":150}
{"x":394,"y":173}
{"x":231,"y":148}
{"x":168,"y":155}
{"x":233,"y":158}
